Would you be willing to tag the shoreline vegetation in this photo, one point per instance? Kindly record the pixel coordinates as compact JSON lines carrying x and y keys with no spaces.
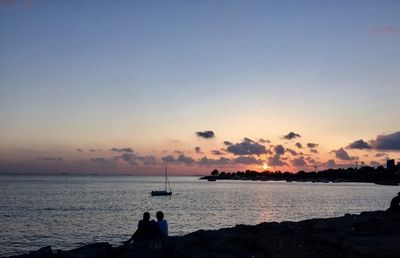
{"x":366,"y":174}
{"x":369,"y":234}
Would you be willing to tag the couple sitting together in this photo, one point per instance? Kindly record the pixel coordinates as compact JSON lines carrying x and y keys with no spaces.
{"x":149,"y":229}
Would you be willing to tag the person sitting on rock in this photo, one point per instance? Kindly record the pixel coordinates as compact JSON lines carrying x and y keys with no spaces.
{"x":147,"y":230}
{"x":395,"y":203}
{"x":162,"y":224}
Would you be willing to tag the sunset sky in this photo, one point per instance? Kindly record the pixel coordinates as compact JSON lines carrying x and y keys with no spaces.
{"x":127,"y":86}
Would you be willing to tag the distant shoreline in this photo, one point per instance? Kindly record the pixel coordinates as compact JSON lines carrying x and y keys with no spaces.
{"x":366,"y":174}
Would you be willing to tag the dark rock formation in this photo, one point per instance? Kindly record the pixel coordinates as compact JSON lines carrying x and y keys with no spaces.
{"x":370,"y":234}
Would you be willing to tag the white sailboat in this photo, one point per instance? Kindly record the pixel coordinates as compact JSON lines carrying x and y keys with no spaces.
{"x":163,"y":192}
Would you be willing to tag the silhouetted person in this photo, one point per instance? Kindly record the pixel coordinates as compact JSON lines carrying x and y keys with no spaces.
{"x":147,"y":230}
{"x":162,"y":224}
{"x":395,"y":203}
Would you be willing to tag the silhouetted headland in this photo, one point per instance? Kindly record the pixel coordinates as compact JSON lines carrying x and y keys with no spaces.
{"x":370,"y":234}
{"x":366,"y":174}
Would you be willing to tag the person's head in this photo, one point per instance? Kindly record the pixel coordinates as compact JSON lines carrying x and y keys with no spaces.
{"x":146,"y":216}
{"x":160,"y":215}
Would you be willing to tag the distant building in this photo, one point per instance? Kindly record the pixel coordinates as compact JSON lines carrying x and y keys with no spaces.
{"x":390,"y":164}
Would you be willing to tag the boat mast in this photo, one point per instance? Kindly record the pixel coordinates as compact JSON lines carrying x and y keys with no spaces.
{"x":165,"y":178}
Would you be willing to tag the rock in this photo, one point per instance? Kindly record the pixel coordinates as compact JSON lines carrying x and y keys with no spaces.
{"x":370,"y":234}
{"x":96,"y":250}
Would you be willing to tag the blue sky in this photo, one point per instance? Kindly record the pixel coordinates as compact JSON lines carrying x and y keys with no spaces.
{"x":148,"y":74}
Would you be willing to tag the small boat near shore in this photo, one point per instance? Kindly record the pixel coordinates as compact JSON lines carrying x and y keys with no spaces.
{"x":163,"y":192}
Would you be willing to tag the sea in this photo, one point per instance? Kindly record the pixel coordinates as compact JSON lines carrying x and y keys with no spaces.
{"x":68,"y":211}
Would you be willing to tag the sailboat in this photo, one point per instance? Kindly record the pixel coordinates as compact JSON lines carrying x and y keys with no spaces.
{"x":163,"y":192}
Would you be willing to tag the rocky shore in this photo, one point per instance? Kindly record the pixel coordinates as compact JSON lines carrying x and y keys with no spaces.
{"x":369,"y":234}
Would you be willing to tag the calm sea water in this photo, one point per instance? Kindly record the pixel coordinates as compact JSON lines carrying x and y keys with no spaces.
{"x":69,"y":211}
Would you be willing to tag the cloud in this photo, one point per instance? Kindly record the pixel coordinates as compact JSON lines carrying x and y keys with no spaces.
{"x":279,"y":149}
{"x":299,"y":145}
{"x":261,"y":140}
{"x":275,"y":161}
{"x":217,"y":152}
{"x":359,"y":144}
{"x":135,"y":160}
{"x":79,"y":149}
{"x":129,"y":150}
{"x":331,"y":163}
{"x":299,"y":162}
{"x":169,"y":159}
{"x":197,"y":149}
{"x":50,"y":158}
{"x":248,"y":160}
{"x":206,"y":134}
{"x":227,"y":143}
{"x":312,"y":145}
{"x":342,"y":154}
{"x":314,"y":151}
{"x":100,"y":160}
{"x":246,"y":147}
{"x":182,"y":159}
{"x":293,"y":152}
{"x":380,"y":154}
{"x":92,"y":150}
{"x":185,"y":159}
{"x":387,"y":142}
{"x":214,"y":162}
{"x":291,"y":136}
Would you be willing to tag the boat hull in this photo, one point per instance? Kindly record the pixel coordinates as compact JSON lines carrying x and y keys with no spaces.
{"x":160,"y":193}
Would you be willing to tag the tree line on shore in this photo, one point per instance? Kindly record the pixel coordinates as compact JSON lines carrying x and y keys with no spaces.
{"x":363,"y":174}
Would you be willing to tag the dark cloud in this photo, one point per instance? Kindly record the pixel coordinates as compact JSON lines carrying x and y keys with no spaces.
{"x":182,"y":159}
{"x":359,"y":144}
{"x":390,"y":142}
{"x":169,"y":159}
{"x":197,"y":149}
{"x":185,"y":160}
{"x":331,"y":163}
{"x":178,"y":152}
{"x":291,"y":136}
{"x":248,"y":160}
{"x":293,"y":152}
{"x":136,"y":160}
{"x":299,"y":145}
{"x":149,"y":160}
{"x":314,"y":151}
{"x":299,"y":162}
{"x":206,"y":134}
{"x":79,"y":149}
{"x":312,"y":145}
{"x":261,"y":140}
{"x":100,"y":160}
{"x":276,"y":161}
{"x":50,"y":158}
{"x":342,"y":154}
{"x":214,"y":162}
{"x":217,"y":152}
{"x":92,"y":150}
{"x":246,"y":147}
{"x":380,"y":154}
{"x":310,"y":160}
{"x":129,"y":150}
{"x":227,"y":143}
{"x":279,"y":149}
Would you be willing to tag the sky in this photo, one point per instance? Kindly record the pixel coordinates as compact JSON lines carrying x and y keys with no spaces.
{"x":129,"y":86}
